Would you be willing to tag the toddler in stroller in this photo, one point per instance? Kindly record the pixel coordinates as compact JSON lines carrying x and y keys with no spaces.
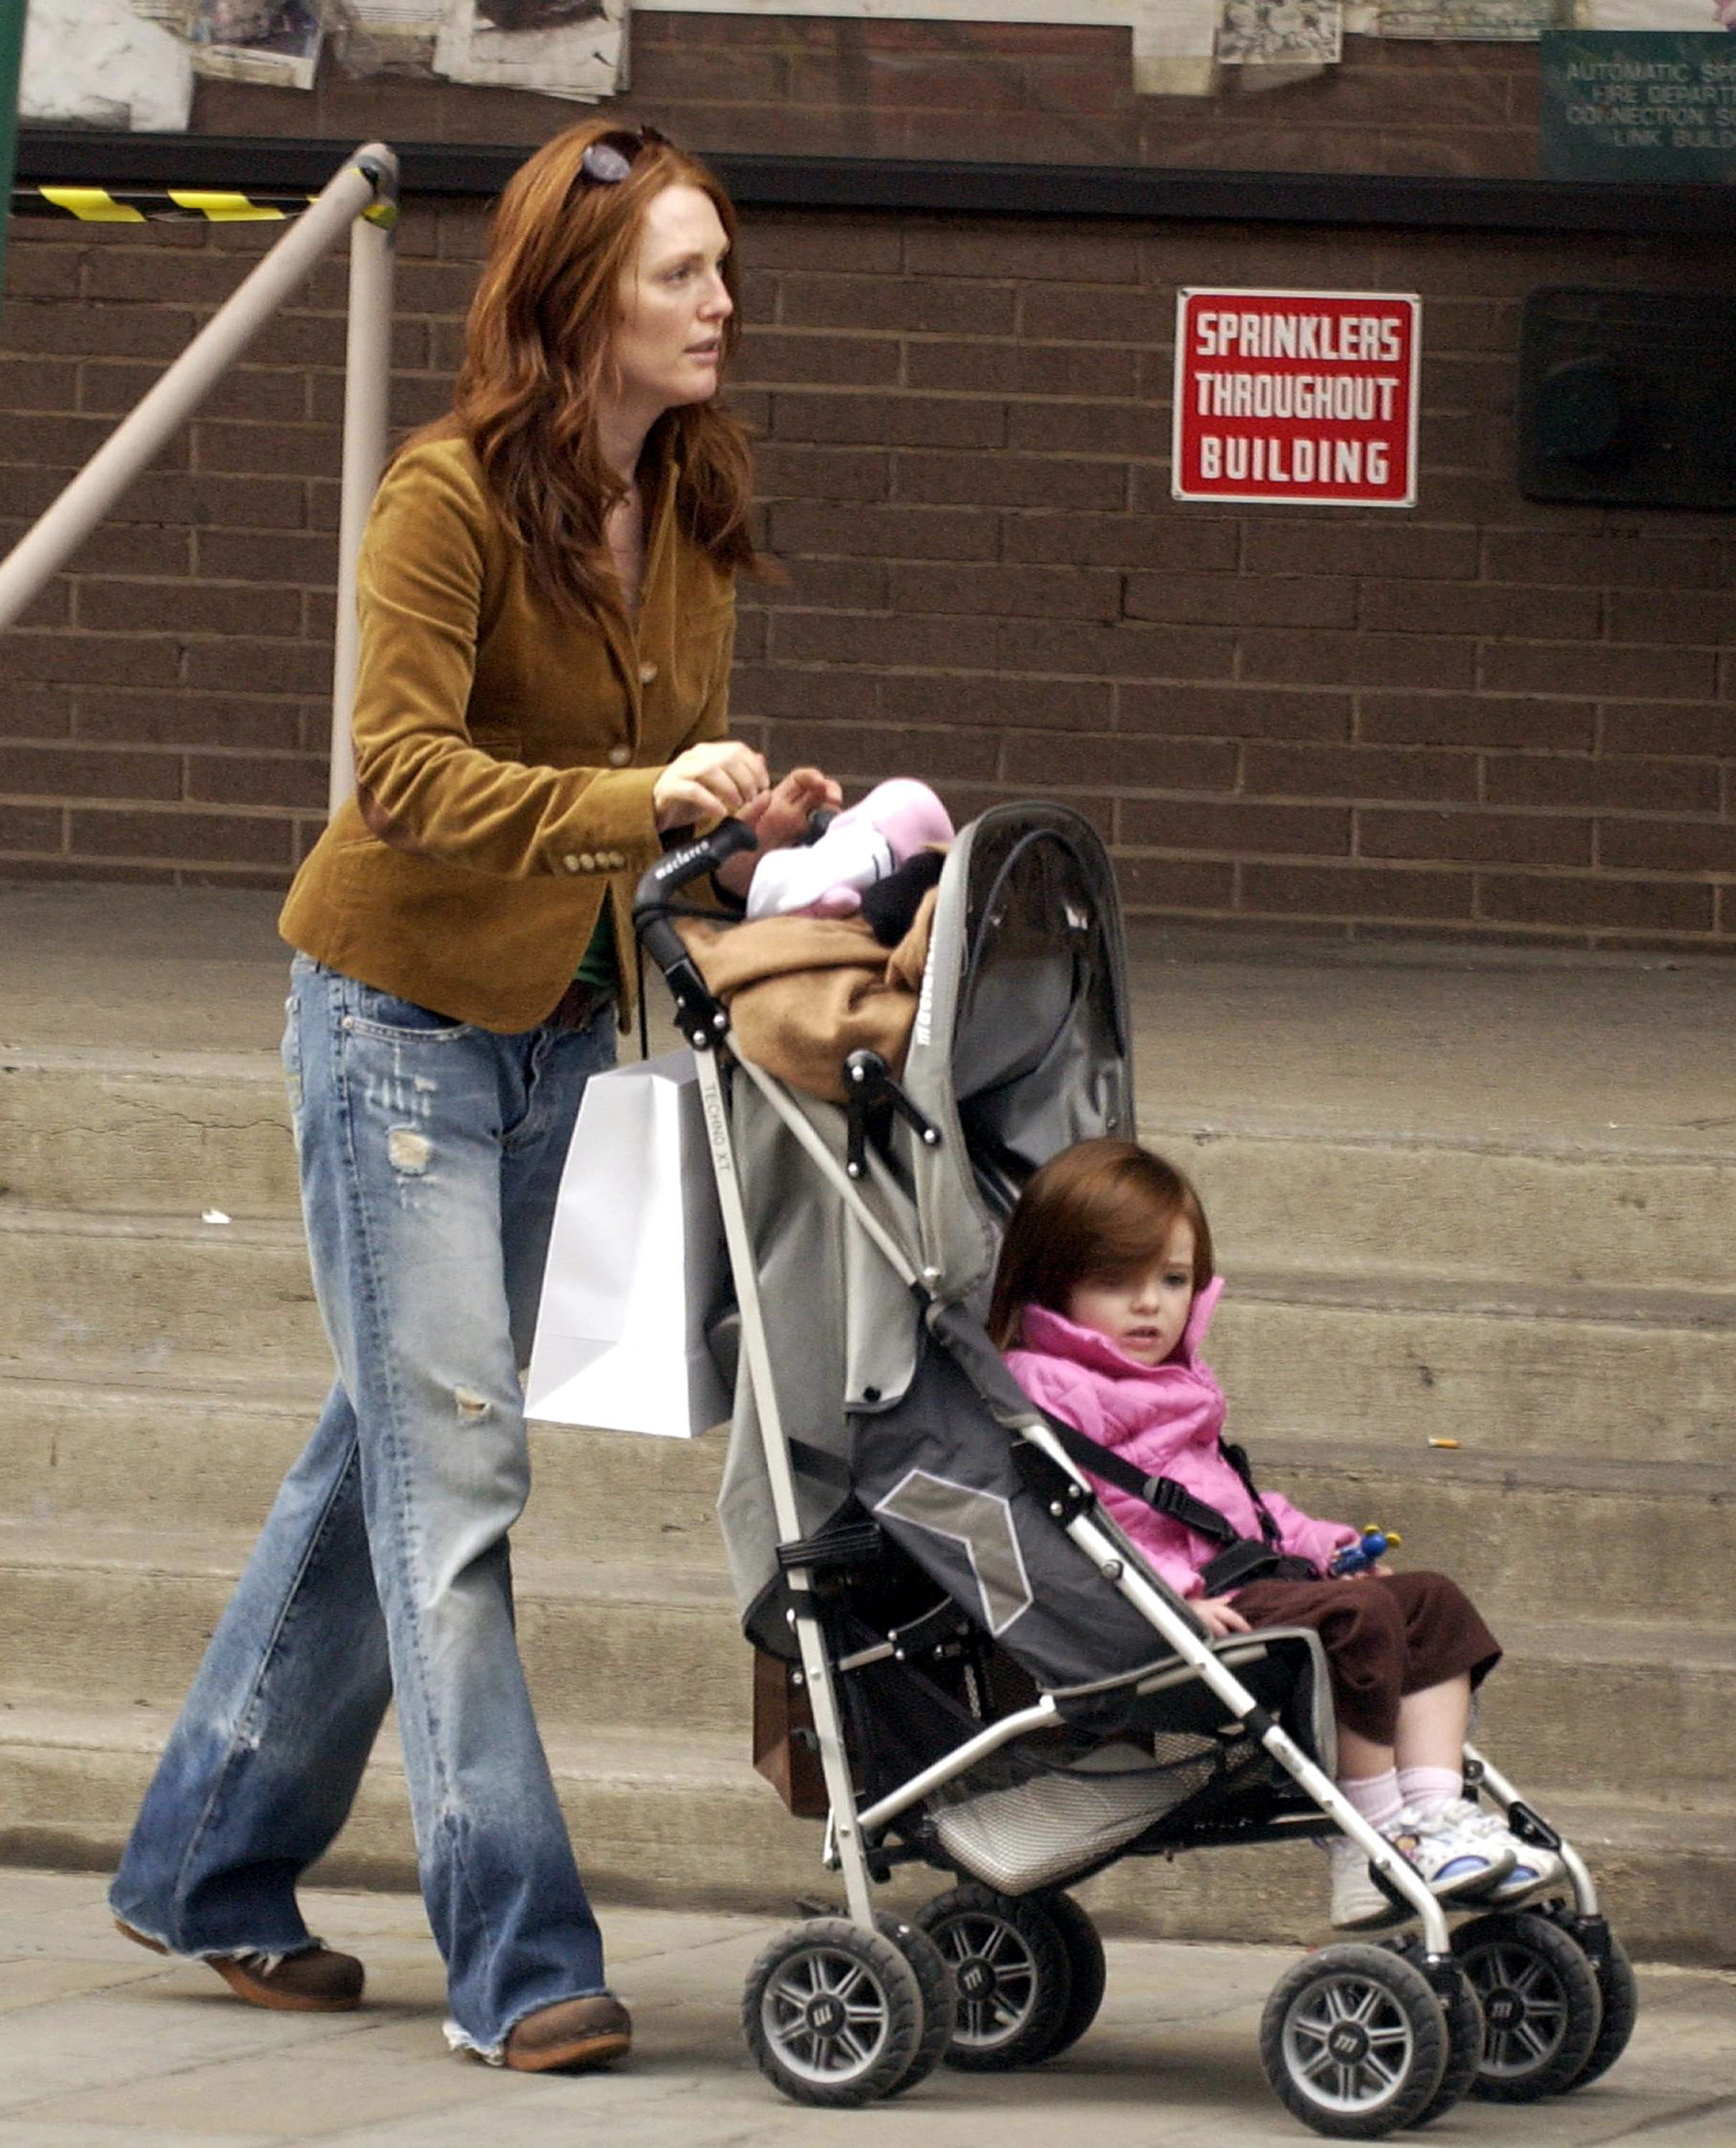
{"x":1102,"y":1298}
{"x":1000,"y":1679}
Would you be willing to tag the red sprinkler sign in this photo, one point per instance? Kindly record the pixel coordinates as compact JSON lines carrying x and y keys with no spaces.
{"x":1302,"y":397}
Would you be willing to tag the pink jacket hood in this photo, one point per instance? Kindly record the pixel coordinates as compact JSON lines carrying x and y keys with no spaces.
{"x":1052,"y":1334}
{"x":1168,"y":1421}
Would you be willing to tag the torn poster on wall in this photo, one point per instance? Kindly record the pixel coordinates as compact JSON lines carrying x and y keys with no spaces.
{"x":1471,"y":21}
{"x":276,"y":42}
{"x":100,"y":63}
{"x":127,"y":65}
{"x":390,"y":36}
{"x":1281,"y":33}
{"x":570,"y":48}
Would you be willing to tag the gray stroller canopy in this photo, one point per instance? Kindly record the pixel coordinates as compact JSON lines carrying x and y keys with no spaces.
{"x":1020,"y":1047}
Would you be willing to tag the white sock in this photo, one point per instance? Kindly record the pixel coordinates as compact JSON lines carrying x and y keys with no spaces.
{"x":1425,"y":1790}
{"x":1377,"y":1798}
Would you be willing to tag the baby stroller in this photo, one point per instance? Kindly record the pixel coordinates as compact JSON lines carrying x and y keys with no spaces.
{"x":1000,"y":1686}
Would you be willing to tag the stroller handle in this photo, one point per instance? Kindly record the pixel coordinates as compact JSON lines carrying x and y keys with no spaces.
{"x":695,"y":1010}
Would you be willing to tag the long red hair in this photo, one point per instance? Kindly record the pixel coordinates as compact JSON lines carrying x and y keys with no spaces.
{"x":537,"y":368}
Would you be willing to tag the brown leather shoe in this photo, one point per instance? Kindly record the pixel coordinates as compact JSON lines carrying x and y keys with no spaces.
{"x":317,"y":1980}
{"x":571,"y":2036}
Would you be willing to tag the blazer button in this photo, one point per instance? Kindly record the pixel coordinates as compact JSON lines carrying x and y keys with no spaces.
{"x":570,"y":862}
{"x":587,"y":863}
{"x":647,"y":673}
{"x":619,"y":755}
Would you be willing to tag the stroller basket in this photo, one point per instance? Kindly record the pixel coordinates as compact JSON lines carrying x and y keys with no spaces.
{"x":1020,"y":1826}
{"x":1032,"y":1813}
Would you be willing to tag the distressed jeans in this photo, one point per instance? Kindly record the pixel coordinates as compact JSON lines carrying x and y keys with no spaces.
{"x":431,"y":1153}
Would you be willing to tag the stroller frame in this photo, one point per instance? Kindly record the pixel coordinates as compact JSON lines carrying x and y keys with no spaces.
{"x":852,"y":1846}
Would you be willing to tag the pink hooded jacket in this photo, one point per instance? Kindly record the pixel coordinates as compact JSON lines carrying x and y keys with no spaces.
{"x":1166,"y":1420}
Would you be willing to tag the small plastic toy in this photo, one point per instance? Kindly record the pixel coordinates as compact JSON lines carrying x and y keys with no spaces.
{"x":862,"y":846}
{"x":1358,"y":1558}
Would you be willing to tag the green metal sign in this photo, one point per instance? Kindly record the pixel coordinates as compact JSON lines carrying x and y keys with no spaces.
{"x":11,"y":46}
{"x":1639,"y":104}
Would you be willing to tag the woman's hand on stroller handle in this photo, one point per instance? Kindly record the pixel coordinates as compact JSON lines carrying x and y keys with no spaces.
{"x":722,"y":777}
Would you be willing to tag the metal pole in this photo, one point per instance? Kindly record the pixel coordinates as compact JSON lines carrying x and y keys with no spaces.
{"x":781,"y":1478}
{"x":367,"y":396}
{"x":45,"y":548}
{"x":12,"y":50}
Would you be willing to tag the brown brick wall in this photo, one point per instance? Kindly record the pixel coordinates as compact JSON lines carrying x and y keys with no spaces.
{"x":1481,"y":717}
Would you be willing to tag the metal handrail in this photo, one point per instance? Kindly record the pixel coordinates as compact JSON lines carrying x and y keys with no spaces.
{"x":359,"y":197}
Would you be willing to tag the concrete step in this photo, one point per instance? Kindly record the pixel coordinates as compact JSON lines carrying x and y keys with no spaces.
{"x":183,"y":1132}
{"x":1638,"y":1707}
{"x":1243,"y":1029}
{"x":1529,"y":1536}
{"x":680,"y":1819}
{"x":1395,"y":1357}
{"x":1526,"y":1532}
{"x":123,"y":1616}
{"x":154,"y":1290}
{"x":1534,"y":1210}
{"x":1666,"y":1879}
{"x":141,"y":1131}
{"x":161,"y":1453}
{"x":1435,"y":1183}
{"x":1386,"y":1354}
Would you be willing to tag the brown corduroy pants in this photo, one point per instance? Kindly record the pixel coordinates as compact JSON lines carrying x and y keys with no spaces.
{"x":1385,"y":1635}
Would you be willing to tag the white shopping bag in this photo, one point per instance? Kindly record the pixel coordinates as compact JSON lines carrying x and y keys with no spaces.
{"x":636,"y":1262}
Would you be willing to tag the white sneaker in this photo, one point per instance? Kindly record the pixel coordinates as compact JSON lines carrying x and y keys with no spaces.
{"x":1534,"y":1868}
{"x":1457,"y":1862}
{"x":1359,"y":1903}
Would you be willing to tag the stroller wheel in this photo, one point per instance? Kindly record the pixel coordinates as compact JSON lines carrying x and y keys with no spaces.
{"x":1010,"y":1966}
{"x":833,"y":2014}
{"x":1541,"y":2007}
{"x":1620,"y":1994}
{"x":1085,"y":1959}
{"x":939,"y":1997}
{"x":1354,"y":2042}
{"x":1462,"y":2011}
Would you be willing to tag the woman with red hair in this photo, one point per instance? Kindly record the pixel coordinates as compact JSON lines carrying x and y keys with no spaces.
{"x":546,"y":611}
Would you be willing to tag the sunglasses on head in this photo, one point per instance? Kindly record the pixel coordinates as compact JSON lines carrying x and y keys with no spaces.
{"x":608,"y":160}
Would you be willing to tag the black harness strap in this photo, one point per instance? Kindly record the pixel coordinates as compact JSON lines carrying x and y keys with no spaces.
{"x":1163,"y":1493}
{"x":1237,"y":1457}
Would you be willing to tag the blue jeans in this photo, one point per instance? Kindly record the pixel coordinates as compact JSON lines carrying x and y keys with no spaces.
{"x":431,"y":1152}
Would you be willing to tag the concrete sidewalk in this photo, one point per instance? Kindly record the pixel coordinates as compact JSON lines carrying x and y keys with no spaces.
{"x":101,"y":2045}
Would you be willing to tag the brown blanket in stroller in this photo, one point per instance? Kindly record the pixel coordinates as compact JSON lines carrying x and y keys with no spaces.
{"x":805,"y":993}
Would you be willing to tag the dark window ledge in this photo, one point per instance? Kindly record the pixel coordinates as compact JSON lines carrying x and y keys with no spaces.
{"x":53,"y":156}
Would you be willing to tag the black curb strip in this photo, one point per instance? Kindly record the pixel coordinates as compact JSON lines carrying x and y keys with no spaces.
{"x":242,"y":163}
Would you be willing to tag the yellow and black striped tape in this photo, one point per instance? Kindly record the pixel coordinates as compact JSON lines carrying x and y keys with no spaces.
{"x":170,"y":204}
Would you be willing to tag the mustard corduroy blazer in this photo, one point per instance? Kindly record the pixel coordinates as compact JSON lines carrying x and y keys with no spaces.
{"x":505,"y":753}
